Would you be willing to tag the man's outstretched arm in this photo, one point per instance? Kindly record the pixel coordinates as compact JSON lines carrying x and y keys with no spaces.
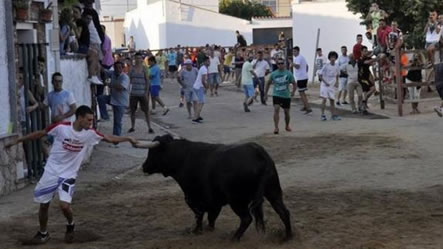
{"x":116,"y":139}
{"x":31,"y":136}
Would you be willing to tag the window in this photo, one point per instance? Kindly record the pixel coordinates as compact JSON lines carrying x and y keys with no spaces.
{"x":271,"y":4}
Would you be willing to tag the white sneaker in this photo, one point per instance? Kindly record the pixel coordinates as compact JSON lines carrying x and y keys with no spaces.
{"x":439,"y":111}
{"x":95,"y":80}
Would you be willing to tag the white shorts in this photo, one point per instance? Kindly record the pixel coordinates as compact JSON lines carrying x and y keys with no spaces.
{"x":327,"y":92}
{"x":343,"y":84}
{"x":49,"y":184}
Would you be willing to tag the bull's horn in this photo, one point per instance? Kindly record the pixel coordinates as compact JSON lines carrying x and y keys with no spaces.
{"x":149,"y":145}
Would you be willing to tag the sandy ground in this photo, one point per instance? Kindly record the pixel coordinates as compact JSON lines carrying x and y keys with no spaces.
{"x":149,"y":212}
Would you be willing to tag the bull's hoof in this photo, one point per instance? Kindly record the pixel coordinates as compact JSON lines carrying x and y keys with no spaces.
{"x":287,"y":238}
{"x":210,"y":228}
{"x":197,"y":231}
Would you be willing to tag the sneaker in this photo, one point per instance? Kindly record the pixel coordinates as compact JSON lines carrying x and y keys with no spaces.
{"x":150,"y":131}
{"x":197,"y":121}
{"x":95,"y":80}
{"x":338,"y":103}
{"x":245,"y":107}
{"x":40,"y":238}
{"x":345,"y":103}
{"x":308,"y":111}
{"x":181,"y":105}
{"x":166,"y":111}
{"x":69,"y":235}
{"x":303,"y":109}
{"x":200,"y":118}
{"x":323,"y":118}
{"x":336,"y":118}
{"x":131,"y":130}
{"x":438,"y":110}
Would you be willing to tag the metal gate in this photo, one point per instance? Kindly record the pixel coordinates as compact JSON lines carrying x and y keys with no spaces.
{"x":38,"y":119}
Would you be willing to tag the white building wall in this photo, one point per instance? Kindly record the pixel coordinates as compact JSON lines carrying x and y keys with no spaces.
{"x":193,"y":26}
{"x":147,"y":25}
{"x":338,"y":26}
{"x":75,"y":79}
{"x":5,"y":116}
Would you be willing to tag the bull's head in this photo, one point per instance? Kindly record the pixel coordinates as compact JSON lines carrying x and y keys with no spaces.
{"x":157,"y":161}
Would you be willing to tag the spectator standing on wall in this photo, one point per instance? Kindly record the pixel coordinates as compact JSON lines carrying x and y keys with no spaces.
{"x":107,"y":60}
{"x":65,"y":29}
{"x":131,"y":44}
{"x":89,"y":10}
{"x":94,"y":52}
{"x":433,"y":35}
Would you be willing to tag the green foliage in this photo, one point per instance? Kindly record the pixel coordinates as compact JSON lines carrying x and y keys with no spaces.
{"x":245,"y":10}
{"x":411,"y":15}
{"x":21,"y":4}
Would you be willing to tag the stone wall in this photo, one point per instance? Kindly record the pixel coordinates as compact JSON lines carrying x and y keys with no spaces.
{"x":11,"y":166}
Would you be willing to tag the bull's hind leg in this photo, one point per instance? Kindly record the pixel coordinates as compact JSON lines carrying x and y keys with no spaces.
{"x":279,"y":207}
{"x":242,"y":211}
{"x":212,"y":216}
{"x":257,"y":210}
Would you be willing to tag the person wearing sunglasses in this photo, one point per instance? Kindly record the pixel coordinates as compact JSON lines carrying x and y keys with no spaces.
{"x":281,"y":96}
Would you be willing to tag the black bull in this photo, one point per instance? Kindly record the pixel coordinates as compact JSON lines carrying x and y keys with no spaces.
{"x":213,"y":175}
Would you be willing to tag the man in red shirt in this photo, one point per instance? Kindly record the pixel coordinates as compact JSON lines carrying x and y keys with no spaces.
{"x":356,"y":51}
{"x":382,"y":34}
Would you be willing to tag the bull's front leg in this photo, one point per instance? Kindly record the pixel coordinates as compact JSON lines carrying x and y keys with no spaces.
{"x":198,"y":212}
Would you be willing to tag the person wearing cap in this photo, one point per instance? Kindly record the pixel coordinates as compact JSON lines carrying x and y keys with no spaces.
{"x":186,"y":78}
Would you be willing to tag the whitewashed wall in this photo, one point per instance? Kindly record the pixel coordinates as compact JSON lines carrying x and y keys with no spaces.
{"x":75,"y":74}
{"x":4,"y":81}
{"x":338,"y":26}
{"x":146,"y":24}
{"x":153,"y":27}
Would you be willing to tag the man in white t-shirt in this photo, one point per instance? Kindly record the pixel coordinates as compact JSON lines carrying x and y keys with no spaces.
{"x":261,"y":69}
{"x":247,"y":80}
{"x":214,"y":72}
{"x":200,"y":87}
{"x":301,"y":75}
{"x":61,"y":102}
{"x":433,"y":35}
{"x":71,"y":143}
{"x":328,"y":76}
{"x":320,"y":61}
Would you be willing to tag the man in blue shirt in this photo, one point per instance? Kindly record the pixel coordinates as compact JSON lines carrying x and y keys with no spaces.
{"x":155,"y":78}
{"x":119,"y":98}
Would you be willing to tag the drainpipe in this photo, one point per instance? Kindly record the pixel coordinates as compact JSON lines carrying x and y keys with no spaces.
{"x":55,"y":36}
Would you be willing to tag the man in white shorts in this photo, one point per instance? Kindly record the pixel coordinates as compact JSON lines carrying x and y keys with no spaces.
{"x":200,"y":87}
{"x":71,"y":143}
{"x":329,"y":80}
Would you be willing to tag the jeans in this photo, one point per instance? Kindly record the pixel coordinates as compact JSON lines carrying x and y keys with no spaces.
{"x":102,"y":101}
{"x":118,"y":116}
{"x":261,"y":86}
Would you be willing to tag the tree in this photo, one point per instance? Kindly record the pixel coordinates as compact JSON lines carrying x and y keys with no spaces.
{"x":411,"y":15}
{"x":245,"y":10}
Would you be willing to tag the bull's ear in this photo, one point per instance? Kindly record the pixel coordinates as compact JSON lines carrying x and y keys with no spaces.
{"x":164,"y":139}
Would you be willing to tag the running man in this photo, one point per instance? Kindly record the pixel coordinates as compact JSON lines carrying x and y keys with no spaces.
{"x":186,"y":78}
{"x":301,"y":73}
{"x":200,"y":87}
{"x":329,"y":80}
{"x":71,"y":143}
{"x":281,"y":97}
{"x":248,"y":83}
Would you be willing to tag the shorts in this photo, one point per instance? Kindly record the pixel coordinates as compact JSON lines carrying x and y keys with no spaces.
{"x":302,"y":85}
{"x":327,"y":92}
{"x":189,"y":95}
{"x":133,"y":103}
{"x":49,"y":184}
{"x":284,"y":103}
{"x":248,"y":90}
{"x":414,"y":93}
{"x":435,"y":44}
{"x":199,"y":95}
{"x":226,"y":69}
{"x":155,"y":91}
{"x":213,"y":79}
{"x":342,"y":84}
{"x":366,"y":85}
{"x":173,"y":69}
